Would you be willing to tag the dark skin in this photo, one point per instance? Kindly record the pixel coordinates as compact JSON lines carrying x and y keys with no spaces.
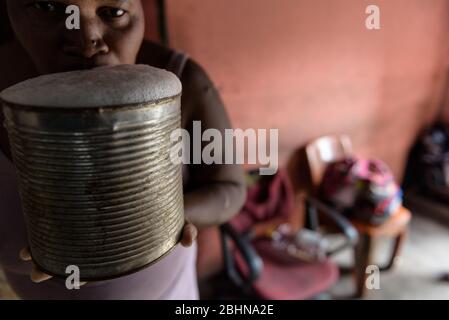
{"x":112,"y":33}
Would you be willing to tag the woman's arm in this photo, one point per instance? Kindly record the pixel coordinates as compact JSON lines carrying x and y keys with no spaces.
{"x":216,"y":192}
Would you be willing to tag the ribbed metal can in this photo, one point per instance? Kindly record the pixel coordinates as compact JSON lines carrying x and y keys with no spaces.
{"x":98,"y":188}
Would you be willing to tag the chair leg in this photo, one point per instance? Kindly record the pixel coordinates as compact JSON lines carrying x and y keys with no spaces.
{"x":363,"y":256}
{"x":398,"y":244}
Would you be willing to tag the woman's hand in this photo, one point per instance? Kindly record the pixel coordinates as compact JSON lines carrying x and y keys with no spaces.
{"x":189,"y":235}
{"x":37,"y":276}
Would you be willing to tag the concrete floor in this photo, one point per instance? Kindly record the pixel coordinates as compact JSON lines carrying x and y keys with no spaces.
{"x":425,"y":257}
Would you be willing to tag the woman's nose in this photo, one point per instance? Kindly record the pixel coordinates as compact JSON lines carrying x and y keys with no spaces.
{"x":93,"y":46}
{"x":88,"y":41}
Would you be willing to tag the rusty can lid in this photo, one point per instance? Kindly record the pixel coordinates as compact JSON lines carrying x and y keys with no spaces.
{"x":106,"y":86}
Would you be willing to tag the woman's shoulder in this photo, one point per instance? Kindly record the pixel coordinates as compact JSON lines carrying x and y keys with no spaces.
{"x":7,"y":52}
{"x":195,"y":80}
{"x":154,"y":54}
{"x":159,"y":56}
{"x":15,"y":65}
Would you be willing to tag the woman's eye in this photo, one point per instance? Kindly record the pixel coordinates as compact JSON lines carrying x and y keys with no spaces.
{"x":113,"y":12}
{"x":49,"y":6}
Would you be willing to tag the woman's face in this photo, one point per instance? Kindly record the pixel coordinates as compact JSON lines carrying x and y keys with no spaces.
{"x":111,"y":32}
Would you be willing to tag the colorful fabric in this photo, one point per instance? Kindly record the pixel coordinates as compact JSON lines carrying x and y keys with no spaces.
{"x":362,"y":187}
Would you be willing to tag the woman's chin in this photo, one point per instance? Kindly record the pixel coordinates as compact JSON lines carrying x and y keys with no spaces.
{"x":67,"y":66}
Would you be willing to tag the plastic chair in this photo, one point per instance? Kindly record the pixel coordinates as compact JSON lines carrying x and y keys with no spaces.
{"x":249,"y":266}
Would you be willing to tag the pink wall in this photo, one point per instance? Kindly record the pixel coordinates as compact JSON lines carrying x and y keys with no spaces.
{"x":310,"y":67}
{"x":151,"y":20}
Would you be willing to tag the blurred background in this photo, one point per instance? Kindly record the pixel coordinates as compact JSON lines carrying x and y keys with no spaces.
{"x":311,"y":68}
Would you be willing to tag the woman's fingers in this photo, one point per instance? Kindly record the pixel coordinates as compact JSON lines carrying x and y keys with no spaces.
{"x":38,"y":276}
{"x":189,"y":235}
{"x":25,"y":254}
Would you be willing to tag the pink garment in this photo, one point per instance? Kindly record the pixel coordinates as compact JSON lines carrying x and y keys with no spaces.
{"x":172,"y":278}
{"x":269,"y":198}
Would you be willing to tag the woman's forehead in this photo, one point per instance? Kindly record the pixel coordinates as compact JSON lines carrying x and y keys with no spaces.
{"x":82,"y":3}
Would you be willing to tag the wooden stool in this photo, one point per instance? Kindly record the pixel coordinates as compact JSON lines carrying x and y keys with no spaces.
{"x":395,"y":227}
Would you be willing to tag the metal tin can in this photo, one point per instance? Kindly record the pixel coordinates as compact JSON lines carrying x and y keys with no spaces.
{"x":98,"y":188}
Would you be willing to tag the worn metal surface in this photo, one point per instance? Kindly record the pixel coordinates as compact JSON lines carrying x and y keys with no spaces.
{"x":98,"y":188}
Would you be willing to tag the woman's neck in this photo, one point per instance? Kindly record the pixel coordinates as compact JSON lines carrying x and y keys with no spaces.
{"x":154,"y":55}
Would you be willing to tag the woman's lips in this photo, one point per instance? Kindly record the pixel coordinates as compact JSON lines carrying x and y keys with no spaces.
{"x":71,"y":63}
